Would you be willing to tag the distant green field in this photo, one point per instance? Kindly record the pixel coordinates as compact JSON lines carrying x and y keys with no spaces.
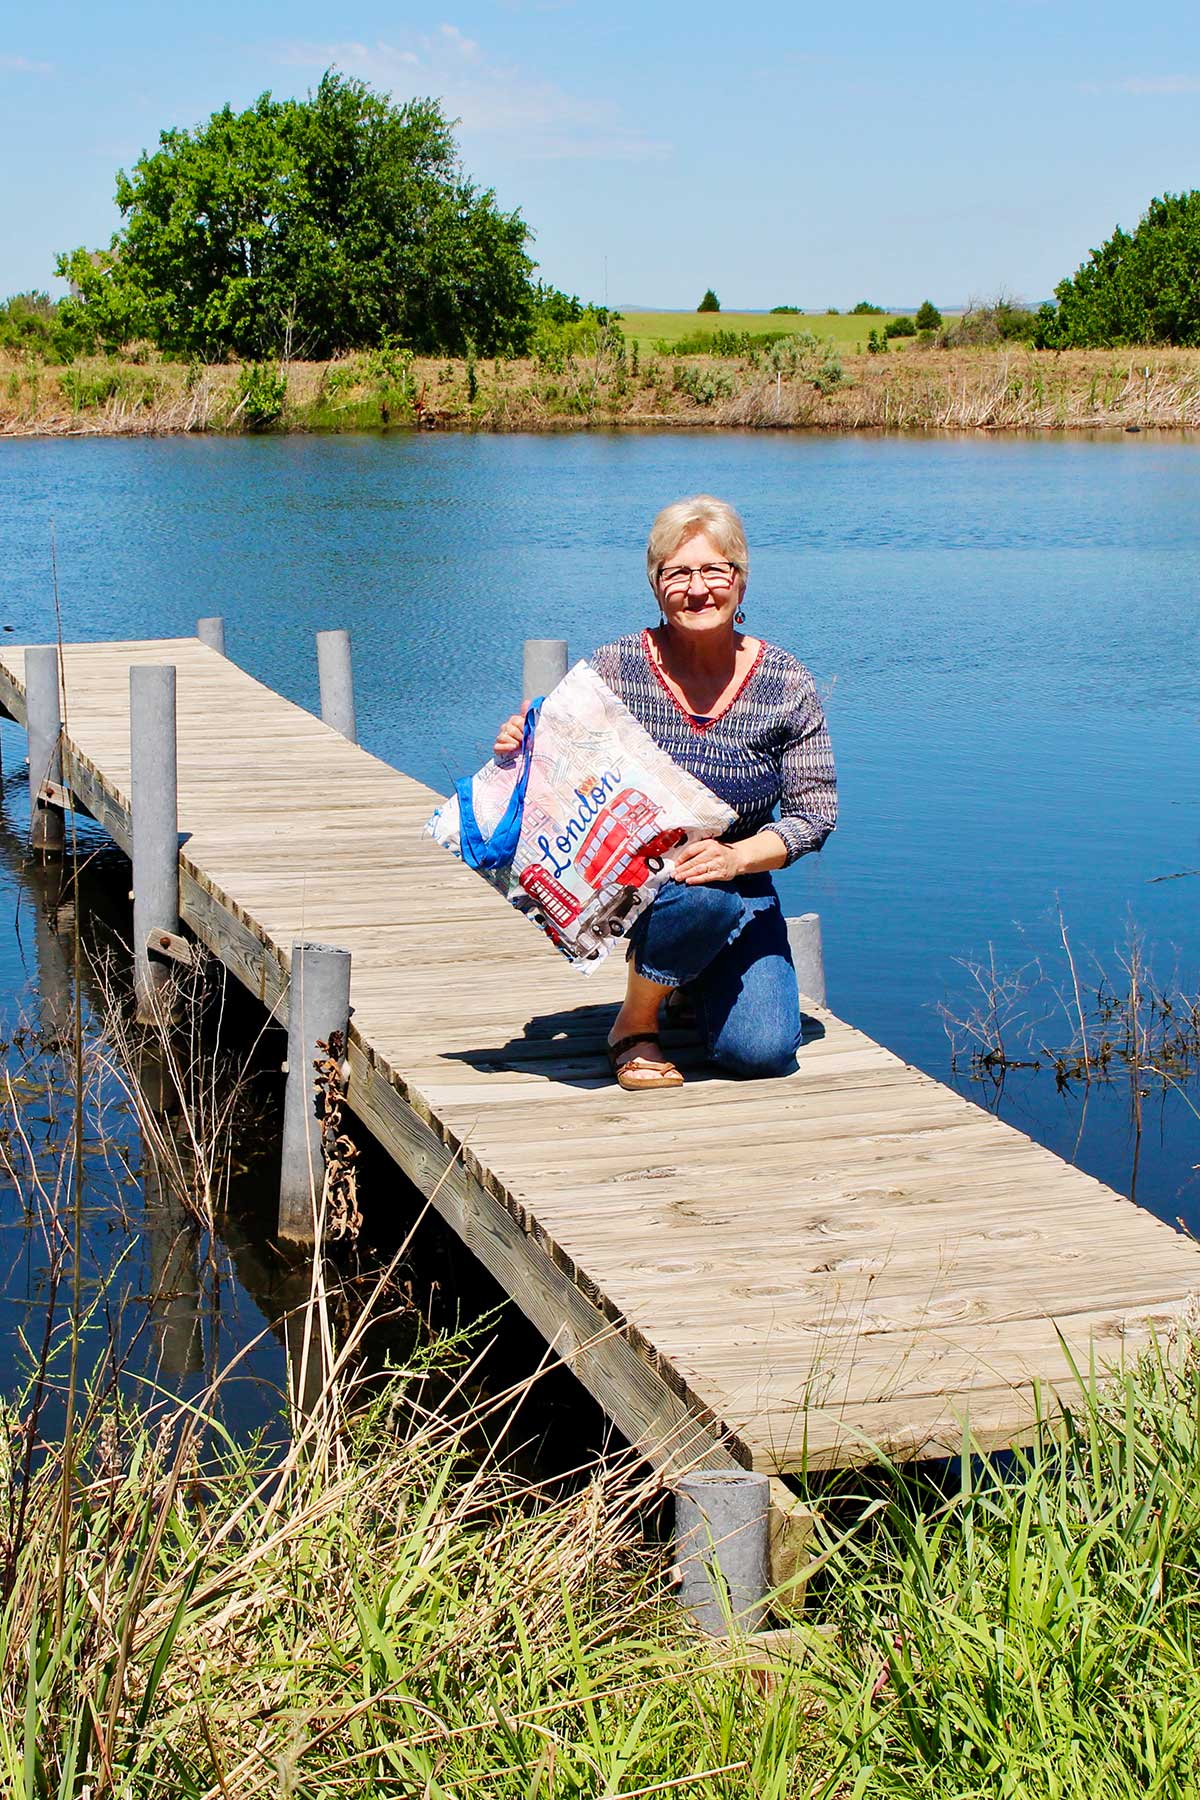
{"x":848,"y":330}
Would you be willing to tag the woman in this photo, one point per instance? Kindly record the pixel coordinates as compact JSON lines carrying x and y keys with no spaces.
{"x":744,"y":718}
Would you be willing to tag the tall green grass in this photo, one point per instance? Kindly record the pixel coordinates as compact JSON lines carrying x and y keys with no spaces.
{"x":1035,"y":1632}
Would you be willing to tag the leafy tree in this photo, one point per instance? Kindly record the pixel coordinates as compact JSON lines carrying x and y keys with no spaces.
{"x":552,"y":306}
{"x":928,"y":317}
{"x":308,"y":227}
{"x":29,"y":324}
{"x":901,"y":327}
{"x":787,"y":309}
{"x":710,"y":303}
{"x":864,"y":307}
{"x":1138,"y":288}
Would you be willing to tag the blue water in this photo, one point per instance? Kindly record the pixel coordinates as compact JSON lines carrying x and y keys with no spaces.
{"x":1005,"y":629}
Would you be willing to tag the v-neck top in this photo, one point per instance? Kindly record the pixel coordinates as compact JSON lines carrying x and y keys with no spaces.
{"x":767,"y":748}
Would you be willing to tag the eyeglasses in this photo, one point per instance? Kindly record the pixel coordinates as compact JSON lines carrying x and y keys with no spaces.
{"x":714,"y":575}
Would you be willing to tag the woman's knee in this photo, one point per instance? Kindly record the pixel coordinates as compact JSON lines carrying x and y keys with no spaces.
{"x":759,"y":1054}
{"x":685,"y":928}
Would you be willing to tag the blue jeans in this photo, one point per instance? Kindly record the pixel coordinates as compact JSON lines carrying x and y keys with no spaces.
{"x":726,"y":943}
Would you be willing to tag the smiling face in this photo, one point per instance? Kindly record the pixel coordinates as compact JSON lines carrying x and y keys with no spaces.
{"x":697,"y":606}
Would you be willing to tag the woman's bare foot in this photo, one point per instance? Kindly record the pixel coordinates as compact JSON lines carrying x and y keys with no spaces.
{"x":637,"y":1061}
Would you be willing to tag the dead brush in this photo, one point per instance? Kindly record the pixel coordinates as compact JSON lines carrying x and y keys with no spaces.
{"x":189,"y":1092}
{"x":1053,"y":1020}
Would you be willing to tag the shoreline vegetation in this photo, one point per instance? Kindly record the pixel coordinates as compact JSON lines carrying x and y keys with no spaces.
{"x":325,"y":264}
{"x":375,"y":1604}
{"x":795,"y":381}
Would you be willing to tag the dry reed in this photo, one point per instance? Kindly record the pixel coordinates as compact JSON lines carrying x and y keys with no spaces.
{"x":909,"y":389}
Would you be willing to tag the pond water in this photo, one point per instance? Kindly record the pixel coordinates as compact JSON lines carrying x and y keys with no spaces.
{"x":1005,"y":630}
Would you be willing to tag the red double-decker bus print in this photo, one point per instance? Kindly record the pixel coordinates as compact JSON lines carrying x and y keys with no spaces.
{"x":621,"y":844}
{"x":560,"y":907}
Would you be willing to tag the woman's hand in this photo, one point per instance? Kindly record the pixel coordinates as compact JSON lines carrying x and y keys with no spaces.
{"x":508,"y":738}
{"x":706,"y":861}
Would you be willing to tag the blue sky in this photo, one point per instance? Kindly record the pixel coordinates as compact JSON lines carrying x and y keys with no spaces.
{"x":777,"y":152}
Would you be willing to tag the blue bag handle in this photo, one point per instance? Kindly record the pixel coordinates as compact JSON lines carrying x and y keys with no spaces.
{"x":497,"y":851}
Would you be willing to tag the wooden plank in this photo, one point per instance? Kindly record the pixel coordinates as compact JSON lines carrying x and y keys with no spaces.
{"x":879,"y":1258}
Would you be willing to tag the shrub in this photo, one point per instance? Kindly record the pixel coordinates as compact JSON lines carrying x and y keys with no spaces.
{"x":389,"y":370}
{"x":84,"y":388}
{"x":928,"y":317}
{"x":787,"y":309}
{"x":557,"y":342}
{"x":876,"y":342}
{"x":260,"y":394}
{"x":999,"y":321}
{"x":726,"y":343}
{"x":552,"y":305}
{"x":864,"y":307}
{"x":901,"y":327}
{"x":339,"y":378}
{"x":710,"y":303}
{"x":801,"y":354}
{"x":704,"y":386}
{"x":30,"y":325}
{"x":1139,"y":288}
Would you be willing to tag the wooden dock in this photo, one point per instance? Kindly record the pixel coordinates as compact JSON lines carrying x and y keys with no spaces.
{"x":781,"y":1274}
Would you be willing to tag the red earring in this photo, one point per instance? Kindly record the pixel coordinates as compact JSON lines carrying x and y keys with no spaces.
{"x":739,"y":617}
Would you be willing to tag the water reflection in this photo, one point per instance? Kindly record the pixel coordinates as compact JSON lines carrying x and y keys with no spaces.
{"x":174,"y":1291}
{"x":185,"y":1283}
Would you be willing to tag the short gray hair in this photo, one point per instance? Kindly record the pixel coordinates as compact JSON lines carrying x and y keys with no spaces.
{"x":702,"y":512}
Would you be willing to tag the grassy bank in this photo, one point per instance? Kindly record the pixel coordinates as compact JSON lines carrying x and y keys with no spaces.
{"x":798,"y":381}
{"x":378,"y":1611}
{"x":379,"y":1606}
{"x":848,"y":331}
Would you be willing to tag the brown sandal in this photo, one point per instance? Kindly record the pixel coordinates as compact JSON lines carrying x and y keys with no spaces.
{"x":658,"y":1074}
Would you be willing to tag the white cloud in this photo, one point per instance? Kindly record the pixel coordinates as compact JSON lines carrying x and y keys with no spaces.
{"x":464,"y":45}
{"x":489,"y":99}
{"x":23,"y":65}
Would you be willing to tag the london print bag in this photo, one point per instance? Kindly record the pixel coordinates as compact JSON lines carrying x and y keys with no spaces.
{"x":579,"y":830}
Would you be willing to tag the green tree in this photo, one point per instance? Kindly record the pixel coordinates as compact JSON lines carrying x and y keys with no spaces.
{"x":30,"y":323}
{"x":710,"y":303}
{"x":928,"y":317}
{"x":1138,"y":288}
{"x":308,"y":227}
{"x":864,"y":307}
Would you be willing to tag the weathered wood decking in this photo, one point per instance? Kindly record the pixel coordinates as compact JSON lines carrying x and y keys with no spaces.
{"x":777,"y":1273}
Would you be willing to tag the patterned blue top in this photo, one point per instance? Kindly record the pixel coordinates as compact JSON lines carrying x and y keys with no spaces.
{"x":768,"y":748}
